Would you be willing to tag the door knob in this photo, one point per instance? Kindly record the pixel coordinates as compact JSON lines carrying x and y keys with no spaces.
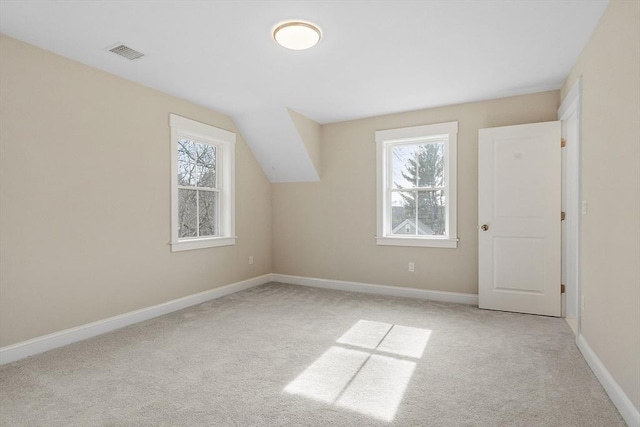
{"x":484,"y":227}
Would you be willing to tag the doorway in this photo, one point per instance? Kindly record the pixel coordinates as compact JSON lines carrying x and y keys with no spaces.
{"x":569,"y":114}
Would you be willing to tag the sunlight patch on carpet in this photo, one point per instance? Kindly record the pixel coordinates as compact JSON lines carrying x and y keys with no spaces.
{"x":325,"y":379}
{"x":378,"y":388}
{"x":370,"y":378}
{"x":405,"y":341}
{"x":365,"y":334}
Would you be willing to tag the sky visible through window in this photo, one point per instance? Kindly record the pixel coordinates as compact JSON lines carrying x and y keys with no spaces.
{"x":418,"y":200}
{"x":197,"y":192}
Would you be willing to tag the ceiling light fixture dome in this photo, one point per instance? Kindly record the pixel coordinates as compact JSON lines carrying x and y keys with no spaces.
{"x":297,"y":35}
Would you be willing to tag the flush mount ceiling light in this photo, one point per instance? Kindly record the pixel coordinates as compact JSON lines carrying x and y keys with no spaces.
{"x":297,"y":35}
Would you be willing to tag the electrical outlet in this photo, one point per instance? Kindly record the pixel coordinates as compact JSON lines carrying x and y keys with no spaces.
{"x":582,"y":303}
{"x":251,"y":260}
{"x":585,"y":207}
{"x":412,"y":267}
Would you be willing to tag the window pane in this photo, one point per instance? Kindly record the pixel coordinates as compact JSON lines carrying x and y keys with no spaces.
{"x":206,"y":165}
{"x":403,"y":212}
{"x":187,"y":213}
{"x":431,"y":213}
{"x":403,"y":166}
{"x":431,"y":165}
{"x":186,"y":162}
{"x":208,"y":212}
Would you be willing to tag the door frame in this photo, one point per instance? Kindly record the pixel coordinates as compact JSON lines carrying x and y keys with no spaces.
{"x":572,"y":200}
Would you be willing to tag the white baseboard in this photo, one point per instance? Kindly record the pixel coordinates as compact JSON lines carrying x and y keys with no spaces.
{"x":20,"y":350}
{"x":626,"y":408}
{"x":41,"y":344}
{"x":367,"y":288}
{"x":573,"y":324}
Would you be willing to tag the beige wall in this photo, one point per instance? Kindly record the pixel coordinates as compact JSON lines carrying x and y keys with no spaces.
{"x":327,"y":229}
{"x":610,"y":248}
{"x":84,"y":198}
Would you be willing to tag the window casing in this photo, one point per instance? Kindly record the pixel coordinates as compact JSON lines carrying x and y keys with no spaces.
{"x":416,"y":180}
{"x":202,"y":185}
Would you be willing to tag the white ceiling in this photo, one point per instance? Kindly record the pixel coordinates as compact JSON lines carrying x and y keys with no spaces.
{"x":375,"y":57}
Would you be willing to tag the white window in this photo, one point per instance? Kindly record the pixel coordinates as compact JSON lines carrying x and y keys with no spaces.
{"x":202,"y":185}
{"x":417,"y":186}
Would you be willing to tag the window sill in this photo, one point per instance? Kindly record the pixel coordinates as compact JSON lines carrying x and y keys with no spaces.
{"x":211,"y":242}
{"x":424,"y":242}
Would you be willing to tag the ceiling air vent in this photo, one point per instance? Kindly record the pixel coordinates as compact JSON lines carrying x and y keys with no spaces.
{"x":126,"y":52}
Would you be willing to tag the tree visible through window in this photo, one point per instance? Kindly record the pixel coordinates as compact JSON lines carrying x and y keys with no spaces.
{"x":418,"y":199}
{"x":417,"y":186}
{"x":197,"y":190}
{"x":202,"y":185}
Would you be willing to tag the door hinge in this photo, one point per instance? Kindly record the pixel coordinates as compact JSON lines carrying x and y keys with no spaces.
{"x":562,"y":289}
{"x":562,"y":216}
{"x":563,"y":142}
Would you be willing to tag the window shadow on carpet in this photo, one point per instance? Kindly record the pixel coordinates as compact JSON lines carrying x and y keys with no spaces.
{"x":368,"y":370}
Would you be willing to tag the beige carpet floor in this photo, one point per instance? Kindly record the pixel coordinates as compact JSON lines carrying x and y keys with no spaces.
{"x":281,"y":355}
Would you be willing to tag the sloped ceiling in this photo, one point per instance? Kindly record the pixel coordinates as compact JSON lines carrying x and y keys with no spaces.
{"x":375,"y":57}
{"x":283,"y":149}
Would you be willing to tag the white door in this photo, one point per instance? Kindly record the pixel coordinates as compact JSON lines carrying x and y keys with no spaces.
{"x":519,"y":174}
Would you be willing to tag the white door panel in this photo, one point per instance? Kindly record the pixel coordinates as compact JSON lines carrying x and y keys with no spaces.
{"x":519,"y":202}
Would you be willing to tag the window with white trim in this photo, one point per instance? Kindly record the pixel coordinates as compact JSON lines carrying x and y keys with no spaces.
{"x":417,"y":186}
{"x":202,"y":185}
